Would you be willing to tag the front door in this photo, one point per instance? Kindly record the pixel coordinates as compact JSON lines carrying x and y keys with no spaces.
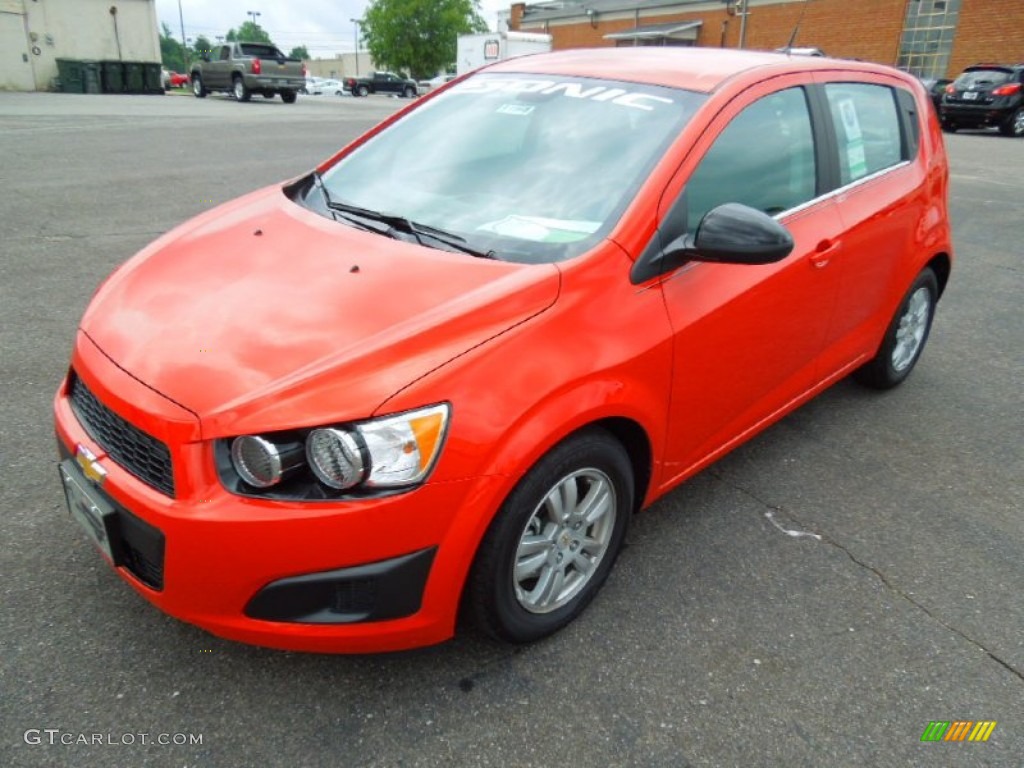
{"x":747,"y":337}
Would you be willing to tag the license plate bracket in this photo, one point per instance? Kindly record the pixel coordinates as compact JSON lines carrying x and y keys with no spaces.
{"x":97,"y":517}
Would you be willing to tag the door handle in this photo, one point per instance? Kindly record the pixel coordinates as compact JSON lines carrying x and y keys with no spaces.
{"x":824,"y":252}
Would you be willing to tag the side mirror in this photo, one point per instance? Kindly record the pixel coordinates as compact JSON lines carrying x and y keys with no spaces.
{"x":734,"y":234}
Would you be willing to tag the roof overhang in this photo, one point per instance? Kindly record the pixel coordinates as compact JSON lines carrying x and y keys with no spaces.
{"x":679,"y":30}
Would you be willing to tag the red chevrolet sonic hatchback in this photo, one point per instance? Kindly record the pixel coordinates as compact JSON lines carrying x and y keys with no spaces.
{"x":442,"y":371}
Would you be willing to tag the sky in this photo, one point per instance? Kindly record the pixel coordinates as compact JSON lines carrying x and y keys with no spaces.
{"x":323,"y":26}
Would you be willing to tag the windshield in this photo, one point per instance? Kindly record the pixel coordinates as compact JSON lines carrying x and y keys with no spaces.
{"x":529,"y":168}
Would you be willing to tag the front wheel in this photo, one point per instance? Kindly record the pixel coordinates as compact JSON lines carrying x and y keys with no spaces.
{"x":1014,"y":124}
{"x":554,"y":540}
{"x":241,"y":92}
{"x":288,"y":97}
{"x":905,"y":338}
{"x":197,"y":86}
{"x":410,"y":92}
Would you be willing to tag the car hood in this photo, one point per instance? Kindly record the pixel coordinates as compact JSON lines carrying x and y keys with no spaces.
{"x":261,"y":314}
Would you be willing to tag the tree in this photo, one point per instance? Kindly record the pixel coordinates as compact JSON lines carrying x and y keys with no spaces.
{"x":299,"y":52}
{"x":249,"y":32}
{"x":171,"y":54}
{"x":201,"y":46}
{"x":418,"y":36}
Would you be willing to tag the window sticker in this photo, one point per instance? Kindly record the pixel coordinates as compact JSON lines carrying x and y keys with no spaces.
{"x":856,"y":160}
{"x":541,"y":230}
{"x":515,"y":109}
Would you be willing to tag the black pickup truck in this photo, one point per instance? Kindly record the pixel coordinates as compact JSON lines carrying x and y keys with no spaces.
{"x":381,"y":82}
{"x":243,"y":69}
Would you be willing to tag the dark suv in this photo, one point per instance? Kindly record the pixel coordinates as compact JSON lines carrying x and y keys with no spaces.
{"x":986,"y":95}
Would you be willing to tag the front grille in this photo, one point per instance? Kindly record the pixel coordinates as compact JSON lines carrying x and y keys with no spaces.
{"x":143,"y":455}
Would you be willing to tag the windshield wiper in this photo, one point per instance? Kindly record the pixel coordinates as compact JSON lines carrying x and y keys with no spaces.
{"x":417,"y":230}
{"x":400,"y":224}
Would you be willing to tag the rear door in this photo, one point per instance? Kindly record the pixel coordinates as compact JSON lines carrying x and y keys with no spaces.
{"x":747,"y":338}
{"x":877,"y":129}
{"x":218,"y":71}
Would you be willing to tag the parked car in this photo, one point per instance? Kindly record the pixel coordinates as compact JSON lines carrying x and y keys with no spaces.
{"x":936,"y":87}
{"x":331,"y":86}
{"x":177,"y":80}
{"x":381,"y":82}
{"x":986,"y":96}
{"x":426,"y":86}
{"x":484,"y":355}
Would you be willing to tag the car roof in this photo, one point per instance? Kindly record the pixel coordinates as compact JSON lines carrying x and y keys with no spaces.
{"x":696,"y":69}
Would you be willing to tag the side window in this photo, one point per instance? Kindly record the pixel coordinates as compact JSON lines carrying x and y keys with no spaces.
{"x":867,"y":128}
{"x":764,"y":158}
{"x":225,"y":52}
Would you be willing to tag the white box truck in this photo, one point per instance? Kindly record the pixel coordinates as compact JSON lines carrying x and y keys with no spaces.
{"x":474,"y":51}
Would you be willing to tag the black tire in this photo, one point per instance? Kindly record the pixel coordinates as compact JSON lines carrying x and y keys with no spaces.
{"x":362,"y":90}
{"x":288,"y":97}
{"x":197,"y":86}
{"x":884,"y":370}
{"x":1013,"y":125}
{"x":589,"y":461}
{"x":409,"y":92}
{"x":239,"y":90}
{"x":948,"y":127}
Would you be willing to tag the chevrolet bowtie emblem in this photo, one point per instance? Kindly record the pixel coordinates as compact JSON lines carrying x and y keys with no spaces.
{"x":91,"y":467}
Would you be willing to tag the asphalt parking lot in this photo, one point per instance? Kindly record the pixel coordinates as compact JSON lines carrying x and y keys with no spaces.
{"x":719,"y":640}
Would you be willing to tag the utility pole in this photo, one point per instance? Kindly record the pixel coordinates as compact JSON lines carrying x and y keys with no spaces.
{"x":743,"y":23}
{"x":355,"y":38}
{"x":184,"y":43}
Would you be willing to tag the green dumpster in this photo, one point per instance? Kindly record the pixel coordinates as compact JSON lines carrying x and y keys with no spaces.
{"x":113,"y":77}
{"x":70,"y":73}
{"x":91,"y":76}
{"x":153,"y":77}
{"x":134,"y":77}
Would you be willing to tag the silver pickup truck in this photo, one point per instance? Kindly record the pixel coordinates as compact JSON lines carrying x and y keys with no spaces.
{"x":247,"y":68}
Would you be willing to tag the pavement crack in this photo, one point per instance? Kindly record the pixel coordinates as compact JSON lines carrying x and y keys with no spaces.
{"x":889,"y":585}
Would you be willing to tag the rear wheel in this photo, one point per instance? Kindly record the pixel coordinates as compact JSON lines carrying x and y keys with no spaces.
{"x":241,"y":92}
{"x":197,"y":86}
{"x":1014,"y":124}
{"x":948,"y":127}
{"x":905,"y":338}
{"x":362,"y":90}
{"x":554,"y":540}
{"x":288,"y":97}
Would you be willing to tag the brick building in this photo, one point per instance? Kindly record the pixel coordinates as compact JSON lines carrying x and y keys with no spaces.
{"x":934,"y":38}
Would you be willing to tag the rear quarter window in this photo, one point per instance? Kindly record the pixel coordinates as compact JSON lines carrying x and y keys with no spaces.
{"x":867,"y":126}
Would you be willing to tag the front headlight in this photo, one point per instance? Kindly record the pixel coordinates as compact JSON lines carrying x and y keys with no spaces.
{"x":397,"y":451}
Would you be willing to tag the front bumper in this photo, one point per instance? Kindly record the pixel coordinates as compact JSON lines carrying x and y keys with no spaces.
{"x":367,"y":575}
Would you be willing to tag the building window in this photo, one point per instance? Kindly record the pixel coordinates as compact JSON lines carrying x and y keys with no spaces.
{"x":927,"y":38}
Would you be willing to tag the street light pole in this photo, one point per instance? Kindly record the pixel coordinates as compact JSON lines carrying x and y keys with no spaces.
{"x":254,"y":14}
{"x":355,"y":38}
